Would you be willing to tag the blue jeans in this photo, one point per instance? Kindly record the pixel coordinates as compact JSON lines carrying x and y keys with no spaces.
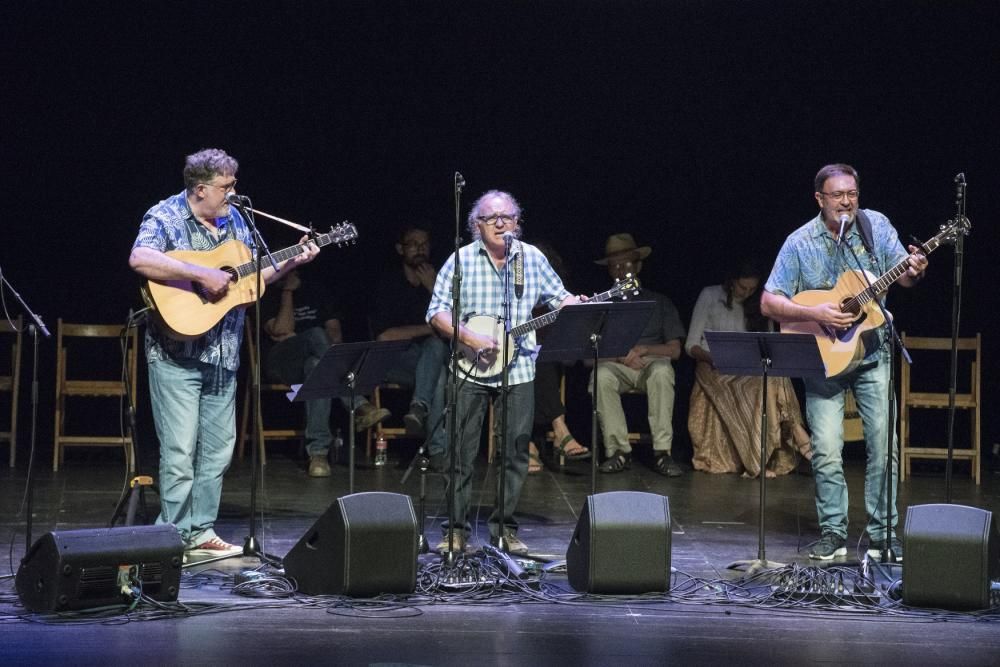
{"x":422,"y":367}
{"x":194,"y":408}
{"x":472,"y":401}
{"x":825,"y":414}
{"x":290,"y":362}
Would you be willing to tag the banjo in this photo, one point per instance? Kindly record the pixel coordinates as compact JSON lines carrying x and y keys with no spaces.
{"x":481,"y":364}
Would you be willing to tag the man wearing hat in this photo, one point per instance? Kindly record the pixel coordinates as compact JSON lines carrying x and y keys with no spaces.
{"x":647,"y":367}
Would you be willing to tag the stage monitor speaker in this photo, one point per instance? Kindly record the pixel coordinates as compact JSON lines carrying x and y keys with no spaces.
{"x":951,"y":552}
{"x":365,"y":544}
{"x":80,"y":569}
{"x":621,"y":544}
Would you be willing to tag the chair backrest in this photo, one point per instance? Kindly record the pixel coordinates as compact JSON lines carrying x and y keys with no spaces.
{"x":248,"y":336}
{"x":10,"y":371}
{"x":971,"y":344}
{"x":100,"y":337}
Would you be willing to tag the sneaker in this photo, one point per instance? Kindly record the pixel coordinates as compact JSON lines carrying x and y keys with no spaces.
{"x":318,"y":466}
{"x":666,"y":466}
{"x":214,"y":547}
{"x":368,"y":415}
{"x":895,"y":547}
{"x":416,"y":420}
{"x":513,"y":544}
{"x":443,"y":546}
{"x":828,"y":547}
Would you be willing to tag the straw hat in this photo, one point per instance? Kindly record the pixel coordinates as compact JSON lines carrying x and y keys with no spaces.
{"x":619,"y":245}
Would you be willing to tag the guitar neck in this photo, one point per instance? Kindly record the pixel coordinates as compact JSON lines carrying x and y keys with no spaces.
{"x":287,"y":253}
{"x":550,"y":317}
{"x":895,"y":273}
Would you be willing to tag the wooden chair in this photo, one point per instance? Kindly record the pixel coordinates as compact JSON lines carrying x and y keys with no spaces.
{"x":265,"y":387}
{"x":93,"y":337}
{"x":969,"y":400}
{"x":10,"y":383}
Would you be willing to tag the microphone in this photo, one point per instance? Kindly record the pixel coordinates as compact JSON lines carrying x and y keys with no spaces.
{"x":508,"y":238}
{"x":844,"y":219}
{"x":237,"y":200}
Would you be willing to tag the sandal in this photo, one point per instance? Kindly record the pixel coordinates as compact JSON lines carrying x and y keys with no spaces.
{"x":534,"y":460}
{"x":578,"y":453}
{"x":617,"y":463}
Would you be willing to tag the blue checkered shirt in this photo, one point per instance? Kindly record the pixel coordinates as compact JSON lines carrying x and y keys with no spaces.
{"x":170,"y":225}
{"x":809,"y":259}
{"x":482,"y":294}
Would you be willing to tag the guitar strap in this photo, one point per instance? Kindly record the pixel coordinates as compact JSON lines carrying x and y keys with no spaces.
{"x":865,"y":230}
{"x":519,"y":274}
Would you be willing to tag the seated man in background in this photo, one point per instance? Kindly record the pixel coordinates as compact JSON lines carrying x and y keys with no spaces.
{"x":647,"y":367}
{"x":399,"y":313}
{"x":299,"y":325}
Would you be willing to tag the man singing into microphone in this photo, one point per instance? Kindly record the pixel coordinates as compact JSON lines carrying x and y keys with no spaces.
{"x":813,"y":257}
{"x":533,"y":281}
{"x":192,"y":383}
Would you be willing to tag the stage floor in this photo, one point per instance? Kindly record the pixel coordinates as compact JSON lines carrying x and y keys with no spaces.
{"x":709,"y":616}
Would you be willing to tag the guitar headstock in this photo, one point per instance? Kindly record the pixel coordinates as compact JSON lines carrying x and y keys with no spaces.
{"x":624,"y":287}
{"x":343,"y":233}
{"x":953,"y":229}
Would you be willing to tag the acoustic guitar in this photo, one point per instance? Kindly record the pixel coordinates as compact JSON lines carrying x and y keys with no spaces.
{"x":489,"y":365}
{"x":188,"y":311}
{"x":843,"y":350}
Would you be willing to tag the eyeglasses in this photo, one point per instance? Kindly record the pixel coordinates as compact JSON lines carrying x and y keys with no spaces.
{"x":502,"y":218}
{"x":227,"y":188}
{"x":628,"y":264}
{"x":840,"y":194}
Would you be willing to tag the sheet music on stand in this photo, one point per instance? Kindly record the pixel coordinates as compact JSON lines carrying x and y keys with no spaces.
{"x":618,"y":323}
{"x":740,"y":352}
{"x":368,"y":361}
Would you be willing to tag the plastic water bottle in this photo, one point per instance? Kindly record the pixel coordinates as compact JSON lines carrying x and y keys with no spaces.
{"x":381,"y":450}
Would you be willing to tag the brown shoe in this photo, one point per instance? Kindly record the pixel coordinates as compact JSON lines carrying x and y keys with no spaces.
{"x":368,"y":415}
{"x":318,"y":466}
{"x":459,"y":541}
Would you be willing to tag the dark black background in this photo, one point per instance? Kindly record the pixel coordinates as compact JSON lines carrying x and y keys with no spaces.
{"x":695,"y":125}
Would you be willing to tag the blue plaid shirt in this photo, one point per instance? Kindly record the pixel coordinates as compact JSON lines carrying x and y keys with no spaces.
{"x":482,"y":294}
{"x":170,"y":225}
{"x":809,"y":259}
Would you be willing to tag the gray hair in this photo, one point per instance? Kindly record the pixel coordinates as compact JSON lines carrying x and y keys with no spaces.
{"x":206,"y":164}
{"x":832,"y":170}
{"x":473,"y":222}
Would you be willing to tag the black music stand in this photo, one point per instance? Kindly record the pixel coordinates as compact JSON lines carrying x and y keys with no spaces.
{"x":595,"y":330}
{"x":764,"y":354}
{"x":349,"y":369}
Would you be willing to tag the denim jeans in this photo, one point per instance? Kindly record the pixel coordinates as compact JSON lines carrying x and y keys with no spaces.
{"x":422,"y":367}
{"x":290,"y":362}
{"x":825,"y":414}
{"x":472,"y":401}
{"x":194,"y":408}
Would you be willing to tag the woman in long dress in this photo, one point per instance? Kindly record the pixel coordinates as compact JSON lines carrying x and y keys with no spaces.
{"x":724,"y":416}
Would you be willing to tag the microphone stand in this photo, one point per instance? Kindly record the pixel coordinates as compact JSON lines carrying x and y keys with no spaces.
{"x":504,"y":399}
{"x":956,"y":311}
{"x":33,"y":330}
{"x":251,"y":547}
{"x":451,"y":400}
{"x":893,"y":339}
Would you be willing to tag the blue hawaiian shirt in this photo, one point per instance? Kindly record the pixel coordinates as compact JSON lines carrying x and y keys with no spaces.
{"x":809,"y":258}
{"x":170,"y":225}
{"x":482,"y":294}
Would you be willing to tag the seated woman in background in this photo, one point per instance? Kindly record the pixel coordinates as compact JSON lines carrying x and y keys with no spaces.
{"x":550,"y":413}
{"x":724,"y":416}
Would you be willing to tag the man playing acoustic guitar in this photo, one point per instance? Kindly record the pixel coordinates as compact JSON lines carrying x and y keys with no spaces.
{"x":817,"y":256}
{"x":192,"y":382}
